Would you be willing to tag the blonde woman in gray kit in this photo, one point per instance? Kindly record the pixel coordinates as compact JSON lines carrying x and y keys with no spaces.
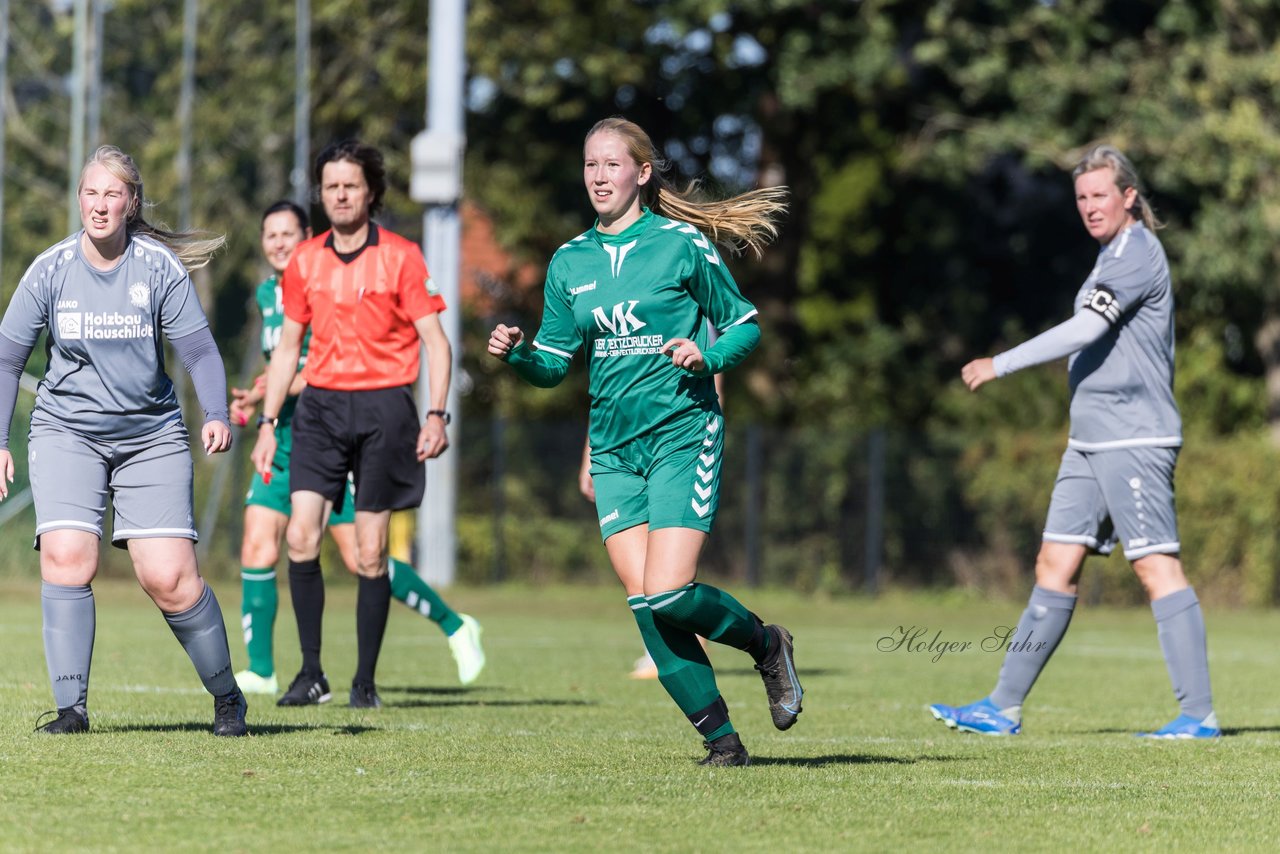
{"x":1115,"y":484}
{"x":107,"y":423}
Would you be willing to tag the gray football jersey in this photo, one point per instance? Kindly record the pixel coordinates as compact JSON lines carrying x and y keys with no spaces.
{"x":1122,"y":384}
{"x":106,"y":375}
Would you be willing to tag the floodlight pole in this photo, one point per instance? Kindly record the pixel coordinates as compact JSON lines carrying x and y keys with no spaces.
{"x":301,"y":102}
{"x":4,"y":87}
{"x":94,"y":119}
{"x":186,"y":106}
{"x":437,"y":182}
{"x":75,"y":154}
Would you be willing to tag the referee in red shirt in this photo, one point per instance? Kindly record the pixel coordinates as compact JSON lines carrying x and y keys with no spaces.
{"x":367,"y":297}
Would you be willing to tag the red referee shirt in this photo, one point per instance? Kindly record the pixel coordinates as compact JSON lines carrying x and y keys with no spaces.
{"x":361,"y":309}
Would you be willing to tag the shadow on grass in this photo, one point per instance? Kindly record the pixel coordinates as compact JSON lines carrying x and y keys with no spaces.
{"x":254,"y":728}
{"x":803,"y":672}
{"x":433,"y":691}
{"x":1226,"y":732}
{"x":478,"y":703}
{"x":849,"y":759}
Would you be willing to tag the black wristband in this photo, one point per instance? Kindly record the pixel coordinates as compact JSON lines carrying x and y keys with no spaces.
{"x":442,"y":414}
{"x":274,"y":422}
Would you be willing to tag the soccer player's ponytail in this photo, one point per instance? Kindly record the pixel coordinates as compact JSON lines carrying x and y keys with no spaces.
{"x":193,"y":248}
{"x":745,"y":221}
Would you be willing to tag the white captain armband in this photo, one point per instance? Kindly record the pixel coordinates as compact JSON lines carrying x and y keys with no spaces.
{"x":1103,"y":300}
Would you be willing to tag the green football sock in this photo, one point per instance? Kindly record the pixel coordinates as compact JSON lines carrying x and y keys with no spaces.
{"x":259,"y":601}
{"x":714,"y":614}
{"x":408,"y":587}
{"x":683,"y":669}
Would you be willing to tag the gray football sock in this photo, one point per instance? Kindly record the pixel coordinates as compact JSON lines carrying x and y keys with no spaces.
{"x":1028,"y":650}
{"x":69,"y":624}
{"x":1180,"y":626}
{"x":203,"y":635}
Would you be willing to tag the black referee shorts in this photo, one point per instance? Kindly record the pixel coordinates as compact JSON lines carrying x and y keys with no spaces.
{"x":372,"y":434}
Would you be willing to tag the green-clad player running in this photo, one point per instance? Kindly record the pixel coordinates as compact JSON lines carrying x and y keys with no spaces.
{"x":267,"y":507}
{"x":635,"y":292}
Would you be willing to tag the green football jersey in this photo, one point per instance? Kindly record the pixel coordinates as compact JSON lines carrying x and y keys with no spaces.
{"x":622,"y":297}
{"x":271,"y":304}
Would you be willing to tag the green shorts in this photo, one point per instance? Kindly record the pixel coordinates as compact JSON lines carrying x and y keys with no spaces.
{"x":275,"y":495}
{"x":669,"y":479}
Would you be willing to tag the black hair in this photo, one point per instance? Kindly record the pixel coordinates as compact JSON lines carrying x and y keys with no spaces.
{"x":368,"y":158}
{"x":304,"y":221}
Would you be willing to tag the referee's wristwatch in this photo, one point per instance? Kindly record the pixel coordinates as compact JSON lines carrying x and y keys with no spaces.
{"x":442,"y":414}
{"x":274,"y":422}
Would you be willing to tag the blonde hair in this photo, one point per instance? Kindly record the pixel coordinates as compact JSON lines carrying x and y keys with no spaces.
{"x":745,"y":221}
{"x":193,"y":248}
{"x":1110,"y":157}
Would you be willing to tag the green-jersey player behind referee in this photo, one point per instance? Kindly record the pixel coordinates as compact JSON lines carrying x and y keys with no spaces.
{"x":635,"y":291}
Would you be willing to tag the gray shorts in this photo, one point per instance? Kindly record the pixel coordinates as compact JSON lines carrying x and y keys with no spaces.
{"x":1104,"y":497}
{"x":148,"y":480}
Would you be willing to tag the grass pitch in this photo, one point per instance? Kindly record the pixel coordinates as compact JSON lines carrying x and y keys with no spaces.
{"x":555,"y":749}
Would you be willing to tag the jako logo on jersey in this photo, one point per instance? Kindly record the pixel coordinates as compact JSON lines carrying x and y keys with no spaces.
{"x":582,"y":289}
{"x":623,"y":320}
{"x":68,"y":303}
{"x":139,"y":294}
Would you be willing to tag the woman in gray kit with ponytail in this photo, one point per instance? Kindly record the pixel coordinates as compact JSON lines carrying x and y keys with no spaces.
{"x":1115,"y":484}
{"x":106,"y":423}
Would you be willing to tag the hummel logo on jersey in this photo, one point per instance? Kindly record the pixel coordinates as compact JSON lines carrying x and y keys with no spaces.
{"x":616,"y":256}
{"x":582,"y":289}
{"x":622,"y":321}
{"x":605,"y":520}
{"x":1103,"y":300}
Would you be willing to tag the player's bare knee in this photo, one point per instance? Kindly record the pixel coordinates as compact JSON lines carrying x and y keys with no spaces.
{"x":259,"y":554}
{"x":371,"y":565}
{"x":1160,"y":574}
{"x":68,"y":566}
{"x":303,"y":540}
{"x":1057,"y":571}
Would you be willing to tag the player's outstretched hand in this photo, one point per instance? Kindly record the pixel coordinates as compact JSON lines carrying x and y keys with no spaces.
{"x":503,"y":339}
{"x":685,"y":354}
{"x":977,"y":372}
{"x":217,"y":437}
{"x":6,"y":472}
{"x":432,"y":439}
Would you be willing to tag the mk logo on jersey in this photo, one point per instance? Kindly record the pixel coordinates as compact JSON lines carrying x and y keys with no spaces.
{"x":622,"y":321}
{"x":616,"y":256}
